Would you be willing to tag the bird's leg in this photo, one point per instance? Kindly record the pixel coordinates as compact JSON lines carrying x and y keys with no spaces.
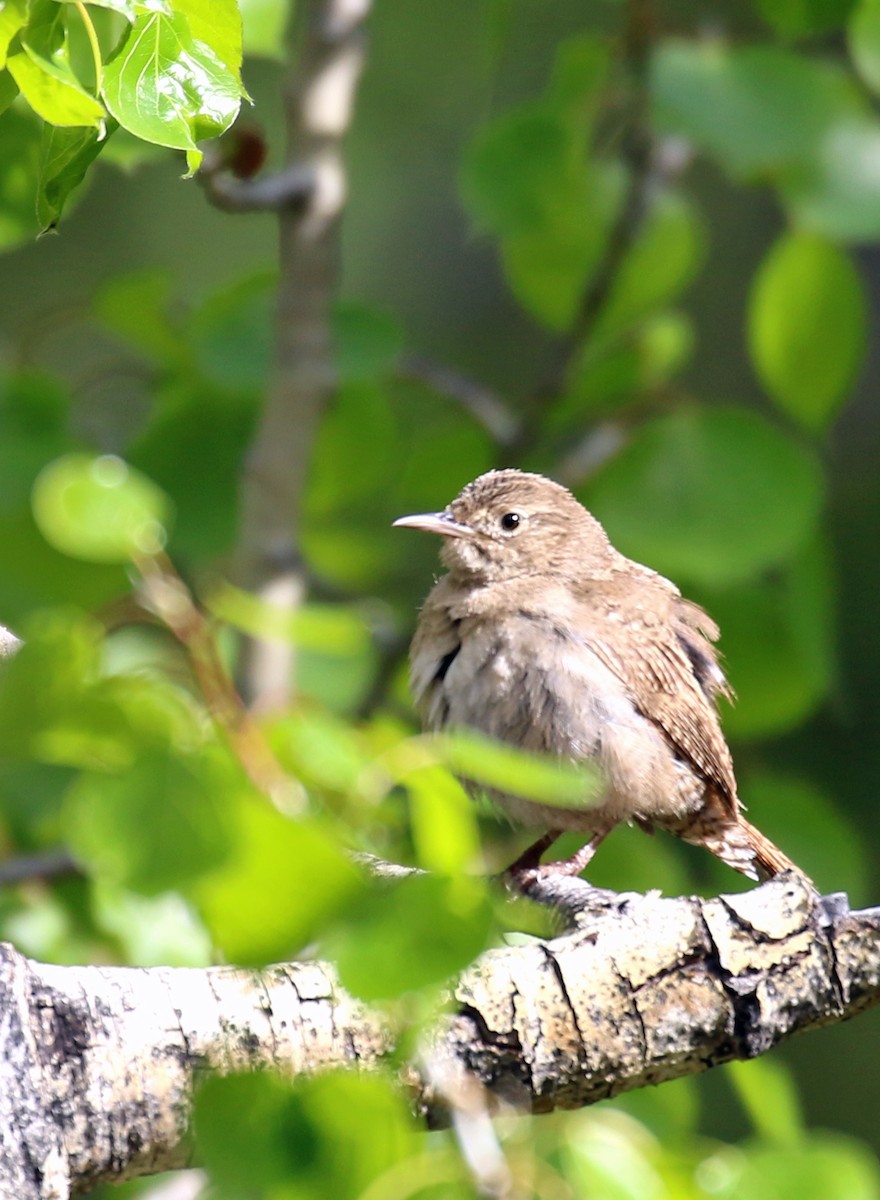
{"x":530,"y":859}
{"x":579,"y":861}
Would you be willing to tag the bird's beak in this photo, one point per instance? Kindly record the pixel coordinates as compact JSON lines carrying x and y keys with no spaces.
{"x":439,"y":522}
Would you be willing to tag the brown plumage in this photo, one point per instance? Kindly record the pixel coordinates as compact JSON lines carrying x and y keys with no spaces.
{"x":544,"y":636}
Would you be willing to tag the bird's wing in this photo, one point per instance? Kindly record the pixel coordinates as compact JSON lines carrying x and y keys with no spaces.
{"x":672,"y":672}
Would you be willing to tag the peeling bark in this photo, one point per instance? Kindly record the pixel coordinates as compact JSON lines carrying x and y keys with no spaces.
{"x":97,"y":1064}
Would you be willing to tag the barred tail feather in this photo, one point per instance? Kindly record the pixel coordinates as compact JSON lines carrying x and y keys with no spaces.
{"x":738,"y":844}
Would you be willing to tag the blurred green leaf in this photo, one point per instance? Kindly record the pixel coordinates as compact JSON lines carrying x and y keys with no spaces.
{"x":613,"y":1157}
{"x":802,"y":18}
{"x":509,"y":769}
{"x":415,"y":933}
{"x":263,"y":24}
{"x":19,"y":171}
{"x":33,"y":410}
{"x":864,"y":40}
{"x":332,"y":628}
{"x":807,"y":327}
{"x":136,"y":307}
{"x":99,"y":509}
{"x":231,"y":334}
{"x":757,"y":109}
{"x":777,"y":635}
{"x":525,"y":178}
{"x":282,"y":881}
{"x":367,"y":343}
{"x":709,"y":495}
{"x":827,"y":1166}
{"x":444,"y":822}
{"x":767,"y":1093}
{"x":158,"y":824}
{"x":192,"y":447}
{"x":662,"y":260}
{"x":262,"y":1135}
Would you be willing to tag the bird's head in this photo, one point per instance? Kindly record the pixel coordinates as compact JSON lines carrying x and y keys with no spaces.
{"x":509,"y":523}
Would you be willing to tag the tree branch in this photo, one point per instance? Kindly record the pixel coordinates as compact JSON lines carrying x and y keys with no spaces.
{"x":319,"y":98}
{"x":97,"y":1064}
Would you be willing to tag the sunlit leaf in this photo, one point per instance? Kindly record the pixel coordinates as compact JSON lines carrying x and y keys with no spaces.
{"x":168,"y":88}
{"x":263,"y":24}
{"x":864,"y":41}
{"x":99,"y":509}
{"x":54,"y":97}
{"x":807,"y":327}
{"x":13,"y":15}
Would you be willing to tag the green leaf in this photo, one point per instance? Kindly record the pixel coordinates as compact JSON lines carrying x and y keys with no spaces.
{"x":709,"y":495}
{"x":755,"y":108}
{"x":125,"y":8}
{"x":416,"y":933}
{"x":13,"y":15}
{"x":367,"y":343}
{"x":444,"y":822}
{"x":216,"y":24}
{"x":166,"y":87}
{"x":767,"y":1093}
{"x":66,"y":156}
{"x":99,"y":509}
{"x":509,"y":769}
{"x":807,"y":327}
{"x":192,"y":447}
{"x":803,"y":18}
{"x":827,"y":1166}
{"x":283,"y":881}
{"x":155,"y":825}
{"x":19,"y":169}
{"x":231,"y":334}
{"x":54,"y":97}
{"x":777,"y":635}
{"x":263,"y":24}
{"x":261,"y":1135}
{"x":136,"y":307}
{"x":33,"y":412}
{"x":864,"y":41}
{"x":662,"y":261}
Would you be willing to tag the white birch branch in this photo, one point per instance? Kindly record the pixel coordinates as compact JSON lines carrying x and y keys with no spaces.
{"x":97,"y":1064}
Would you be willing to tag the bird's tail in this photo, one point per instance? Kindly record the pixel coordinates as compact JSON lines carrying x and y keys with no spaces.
{"x":738,"y":844}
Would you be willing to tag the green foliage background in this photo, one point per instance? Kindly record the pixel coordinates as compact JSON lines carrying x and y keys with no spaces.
{"x":733,"y":371}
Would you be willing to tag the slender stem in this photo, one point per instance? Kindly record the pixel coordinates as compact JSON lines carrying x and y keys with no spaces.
{"x":86,"y":19}
{"x":167,"y":596}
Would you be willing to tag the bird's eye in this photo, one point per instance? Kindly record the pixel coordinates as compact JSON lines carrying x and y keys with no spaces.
{"x":510,"y":521}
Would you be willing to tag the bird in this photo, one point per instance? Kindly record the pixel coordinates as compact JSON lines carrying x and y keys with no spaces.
{"x":541,"y":635}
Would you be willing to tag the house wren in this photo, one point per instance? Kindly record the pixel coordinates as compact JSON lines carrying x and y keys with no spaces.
{"x":543,"y":636}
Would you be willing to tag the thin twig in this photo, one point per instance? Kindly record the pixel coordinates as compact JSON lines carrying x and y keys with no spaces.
{"x":165,"y":594}
{"x":638,"y":156}
{"x":277,"y":191}
{"x":487,"y":408}
{"x":29,"y":868}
